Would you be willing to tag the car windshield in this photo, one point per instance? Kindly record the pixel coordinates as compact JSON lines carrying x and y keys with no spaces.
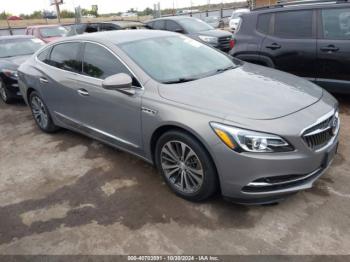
{"x":211,"y":19}
{"x":175,"y":59}
{"x":53,"y":31}
{"x":194,"y":25}
{"x":19,"y":46}
{"x":238,"y":14}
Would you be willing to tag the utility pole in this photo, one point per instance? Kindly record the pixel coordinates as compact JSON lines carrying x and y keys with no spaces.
{"x":159,"y":11}
{"x":8,"y":24}
{"x":173,"y":7}
{"x":58,"y":11}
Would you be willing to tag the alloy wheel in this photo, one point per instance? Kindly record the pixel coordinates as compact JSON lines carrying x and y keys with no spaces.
{"x":39,"y":112}
{"x":3,"y":91}
{"x":182,"y":167}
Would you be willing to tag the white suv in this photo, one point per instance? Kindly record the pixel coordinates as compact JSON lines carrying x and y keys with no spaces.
{"x":236,"y":18}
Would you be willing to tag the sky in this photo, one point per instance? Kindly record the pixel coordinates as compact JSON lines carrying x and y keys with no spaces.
{"x":17,"y":7}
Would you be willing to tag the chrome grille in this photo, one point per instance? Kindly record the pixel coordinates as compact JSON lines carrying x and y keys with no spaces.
{"x":224,"y":42}
{"x":320,"y":134}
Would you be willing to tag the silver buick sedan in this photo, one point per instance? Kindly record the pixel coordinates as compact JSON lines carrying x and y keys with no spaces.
{"x":209,"y":123}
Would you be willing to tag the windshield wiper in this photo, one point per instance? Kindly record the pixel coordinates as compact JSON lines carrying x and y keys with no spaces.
{"x":180,"y":80}
{"x":220,"y":70}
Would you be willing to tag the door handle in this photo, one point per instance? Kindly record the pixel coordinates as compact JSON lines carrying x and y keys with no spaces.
{"x":274,"y":46}
{"x":330,"y":48}
{"x":83,"y":92}
{"x":43,"y":80}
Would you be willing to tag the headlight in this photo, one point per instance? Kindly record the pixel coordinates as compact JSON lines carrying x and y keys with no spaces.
{"x":10,"y":73}
{"x":209,"y":39}
{"x":245,"y":140}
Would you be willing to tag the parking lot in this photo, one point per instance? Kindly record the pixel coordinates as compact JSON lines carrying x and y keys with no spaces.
{"x":68,"y":194}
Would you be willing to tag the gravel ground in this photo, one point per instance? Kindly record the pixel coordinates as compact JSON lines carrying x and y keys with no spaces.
{"x":68,"y":194}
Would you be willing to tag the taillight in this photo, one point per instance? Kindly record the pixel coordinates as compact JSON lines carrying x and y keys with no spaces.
{"x":232,"y":43}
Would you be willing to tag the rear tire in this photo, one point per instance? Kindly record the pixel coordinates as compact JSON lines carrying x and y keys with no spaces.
{"x":41,"y":114}
{"x":4,"y":93}
{"x":186,"y":166}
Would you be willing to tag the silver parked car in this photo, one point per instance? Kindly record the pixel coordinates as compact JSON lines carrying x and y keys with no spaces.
{"x":207,"y":121}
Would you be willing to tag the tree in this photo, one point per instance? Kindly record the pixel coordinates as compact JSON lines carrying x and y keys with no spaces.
{"x":36,"y":15}
{"x":4,"y":15}
{"x":132,"y":10}
{"x":146,"y":12}
{"x":67,"y":14}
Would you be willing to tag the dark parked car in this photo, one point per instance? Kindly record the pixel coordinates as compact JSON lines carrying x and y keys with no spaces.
{"x":83,"y":28}
{"x":14,"y":50}
{"x":196,"y":29}
{"x":308,"y":40}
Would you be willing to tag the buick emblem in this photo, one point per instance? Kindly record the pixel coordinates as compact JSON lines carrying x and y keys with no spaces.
{"x":334,"y":125}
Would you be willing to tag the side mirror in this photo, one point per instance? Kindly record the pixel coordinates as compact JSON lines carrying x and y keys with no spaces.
{"x":120,"y":82}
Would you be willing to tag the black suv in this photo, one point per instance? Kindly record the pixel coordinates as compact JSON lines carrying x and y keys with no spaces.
{"x":309,"y":40}
{"x":196,"y":29}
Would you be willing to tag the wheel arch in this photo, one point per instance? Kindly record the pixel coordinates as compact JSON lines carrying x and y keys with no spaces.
{"x":29,"y":91}
{"x":173,"y":126}
{"x":257,"y":59}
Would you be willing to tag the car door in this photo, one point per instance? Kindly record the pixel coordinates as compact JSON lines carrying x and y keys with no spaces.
{"x":333,"y":49}
{"x":292,"y":43}
{"x":58,"y":80}
{"x":110,"y":115}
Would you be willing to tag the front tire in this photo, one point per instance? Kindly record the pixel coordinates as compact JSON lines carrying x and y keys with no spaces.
{"x":4,"y":93}
{"x":186,"y":166}
{"x":41,"y":113}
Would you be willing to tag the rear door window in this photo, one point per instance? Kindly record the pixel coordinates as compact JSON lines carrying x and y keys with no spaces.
{"x":109,"y":27}
{"x":336,"y":23}
{"x":294,"y":24}
{"x":173,"y":26}
{"x":65,"y":56}
{"x":159,"y":25}
{"x":263,"y":25}
{"x":91,"y":28}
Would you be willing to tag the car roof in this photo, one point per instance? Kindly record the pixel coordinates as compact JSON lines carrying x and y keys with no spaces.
{"x":299,"y":6}
{"x":122,"y":36}
{"x":16,"y":37}
{"x":175,"y":18}
{"x":42,"y":26}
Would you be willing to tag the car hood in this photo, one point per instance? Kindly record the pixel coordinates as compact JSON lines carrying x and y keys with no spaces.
{"x":51,"y":39}
{"x":214,"y":32}
{"x":248,"y":91}
{"x":14,"y":62}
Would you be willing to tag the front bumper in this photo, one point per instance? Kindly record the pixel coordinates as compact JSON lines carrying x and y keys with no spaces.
{"x":250,"y":178}
{"x":12,"y":88}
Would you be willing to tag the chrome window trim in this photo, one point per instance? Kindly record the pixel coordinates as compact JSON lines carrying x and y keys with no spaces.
{"x":92,"y":42}
{"x":97,"y":130}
